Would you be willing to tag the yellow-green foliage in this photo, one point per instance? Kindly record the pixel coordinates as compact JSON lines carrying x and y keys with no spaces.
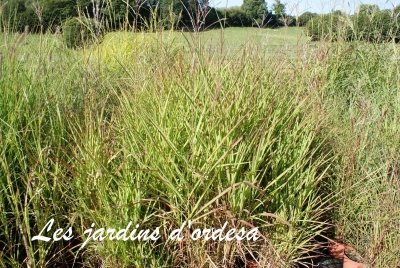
{"x":119,"y":49}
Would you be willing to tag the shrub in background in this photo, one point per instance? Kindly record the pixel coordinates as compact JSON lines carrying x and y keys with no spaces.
{"x":374,"y":27}
{"x":76,"y":34}
{"x":56,"y":11}
{"x":322,"y":27}
{"x":306,"y":17}
{"x":371,"y":25}
{"x":235,"y":16}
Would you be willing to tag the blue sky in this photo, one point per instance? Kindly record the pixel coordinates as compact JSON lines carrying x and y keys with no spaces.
{"x":318,"y":6}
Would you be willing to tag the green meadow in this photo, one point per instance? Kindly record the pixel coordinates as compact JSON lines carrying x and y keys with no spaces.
{"x":259,"y":128}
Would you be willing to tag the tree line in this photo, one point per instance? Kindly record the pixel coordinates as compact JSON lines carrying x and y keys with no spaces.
{"x":44,"y":15}
{"x":368,"y":23}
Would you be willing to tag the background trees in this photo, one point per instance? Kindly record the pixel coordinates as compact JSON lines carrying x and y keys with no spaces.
{"x":16,"y":14}
{"x":279,"y":8}
{"x":280,"y":16}
{"x":46,"y":14}
{"x":255,"y":10}
{"x":305,"y":17}
{"x":175,"y":11}
{"x":57,"y":11}
{"x":367,"y":9}
{"x":235,"y":16}
{"x":369,"y":23}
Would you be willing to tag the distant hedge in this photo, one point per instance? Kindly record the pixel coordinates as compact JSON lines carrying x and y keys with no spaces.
{"x":375,"y":26}
{"x":76,"y":34}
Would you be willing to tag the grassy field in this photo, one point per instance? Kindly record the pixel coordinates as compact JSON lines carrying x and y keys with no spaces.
{"x":235,"y":39}
{"x":253,"y":127}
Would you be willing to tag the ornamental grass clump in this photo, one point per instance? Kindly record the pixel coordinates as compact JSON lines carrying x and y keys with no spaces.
{"x":144,"y":132}
{"x":119,"y":50}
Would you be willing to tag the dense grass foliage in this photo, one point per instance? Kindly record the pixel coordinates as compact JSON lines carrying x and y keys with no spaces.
{"x":362,"y":83}
{"x":163,"y":128}
{"x":367,"y":24}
